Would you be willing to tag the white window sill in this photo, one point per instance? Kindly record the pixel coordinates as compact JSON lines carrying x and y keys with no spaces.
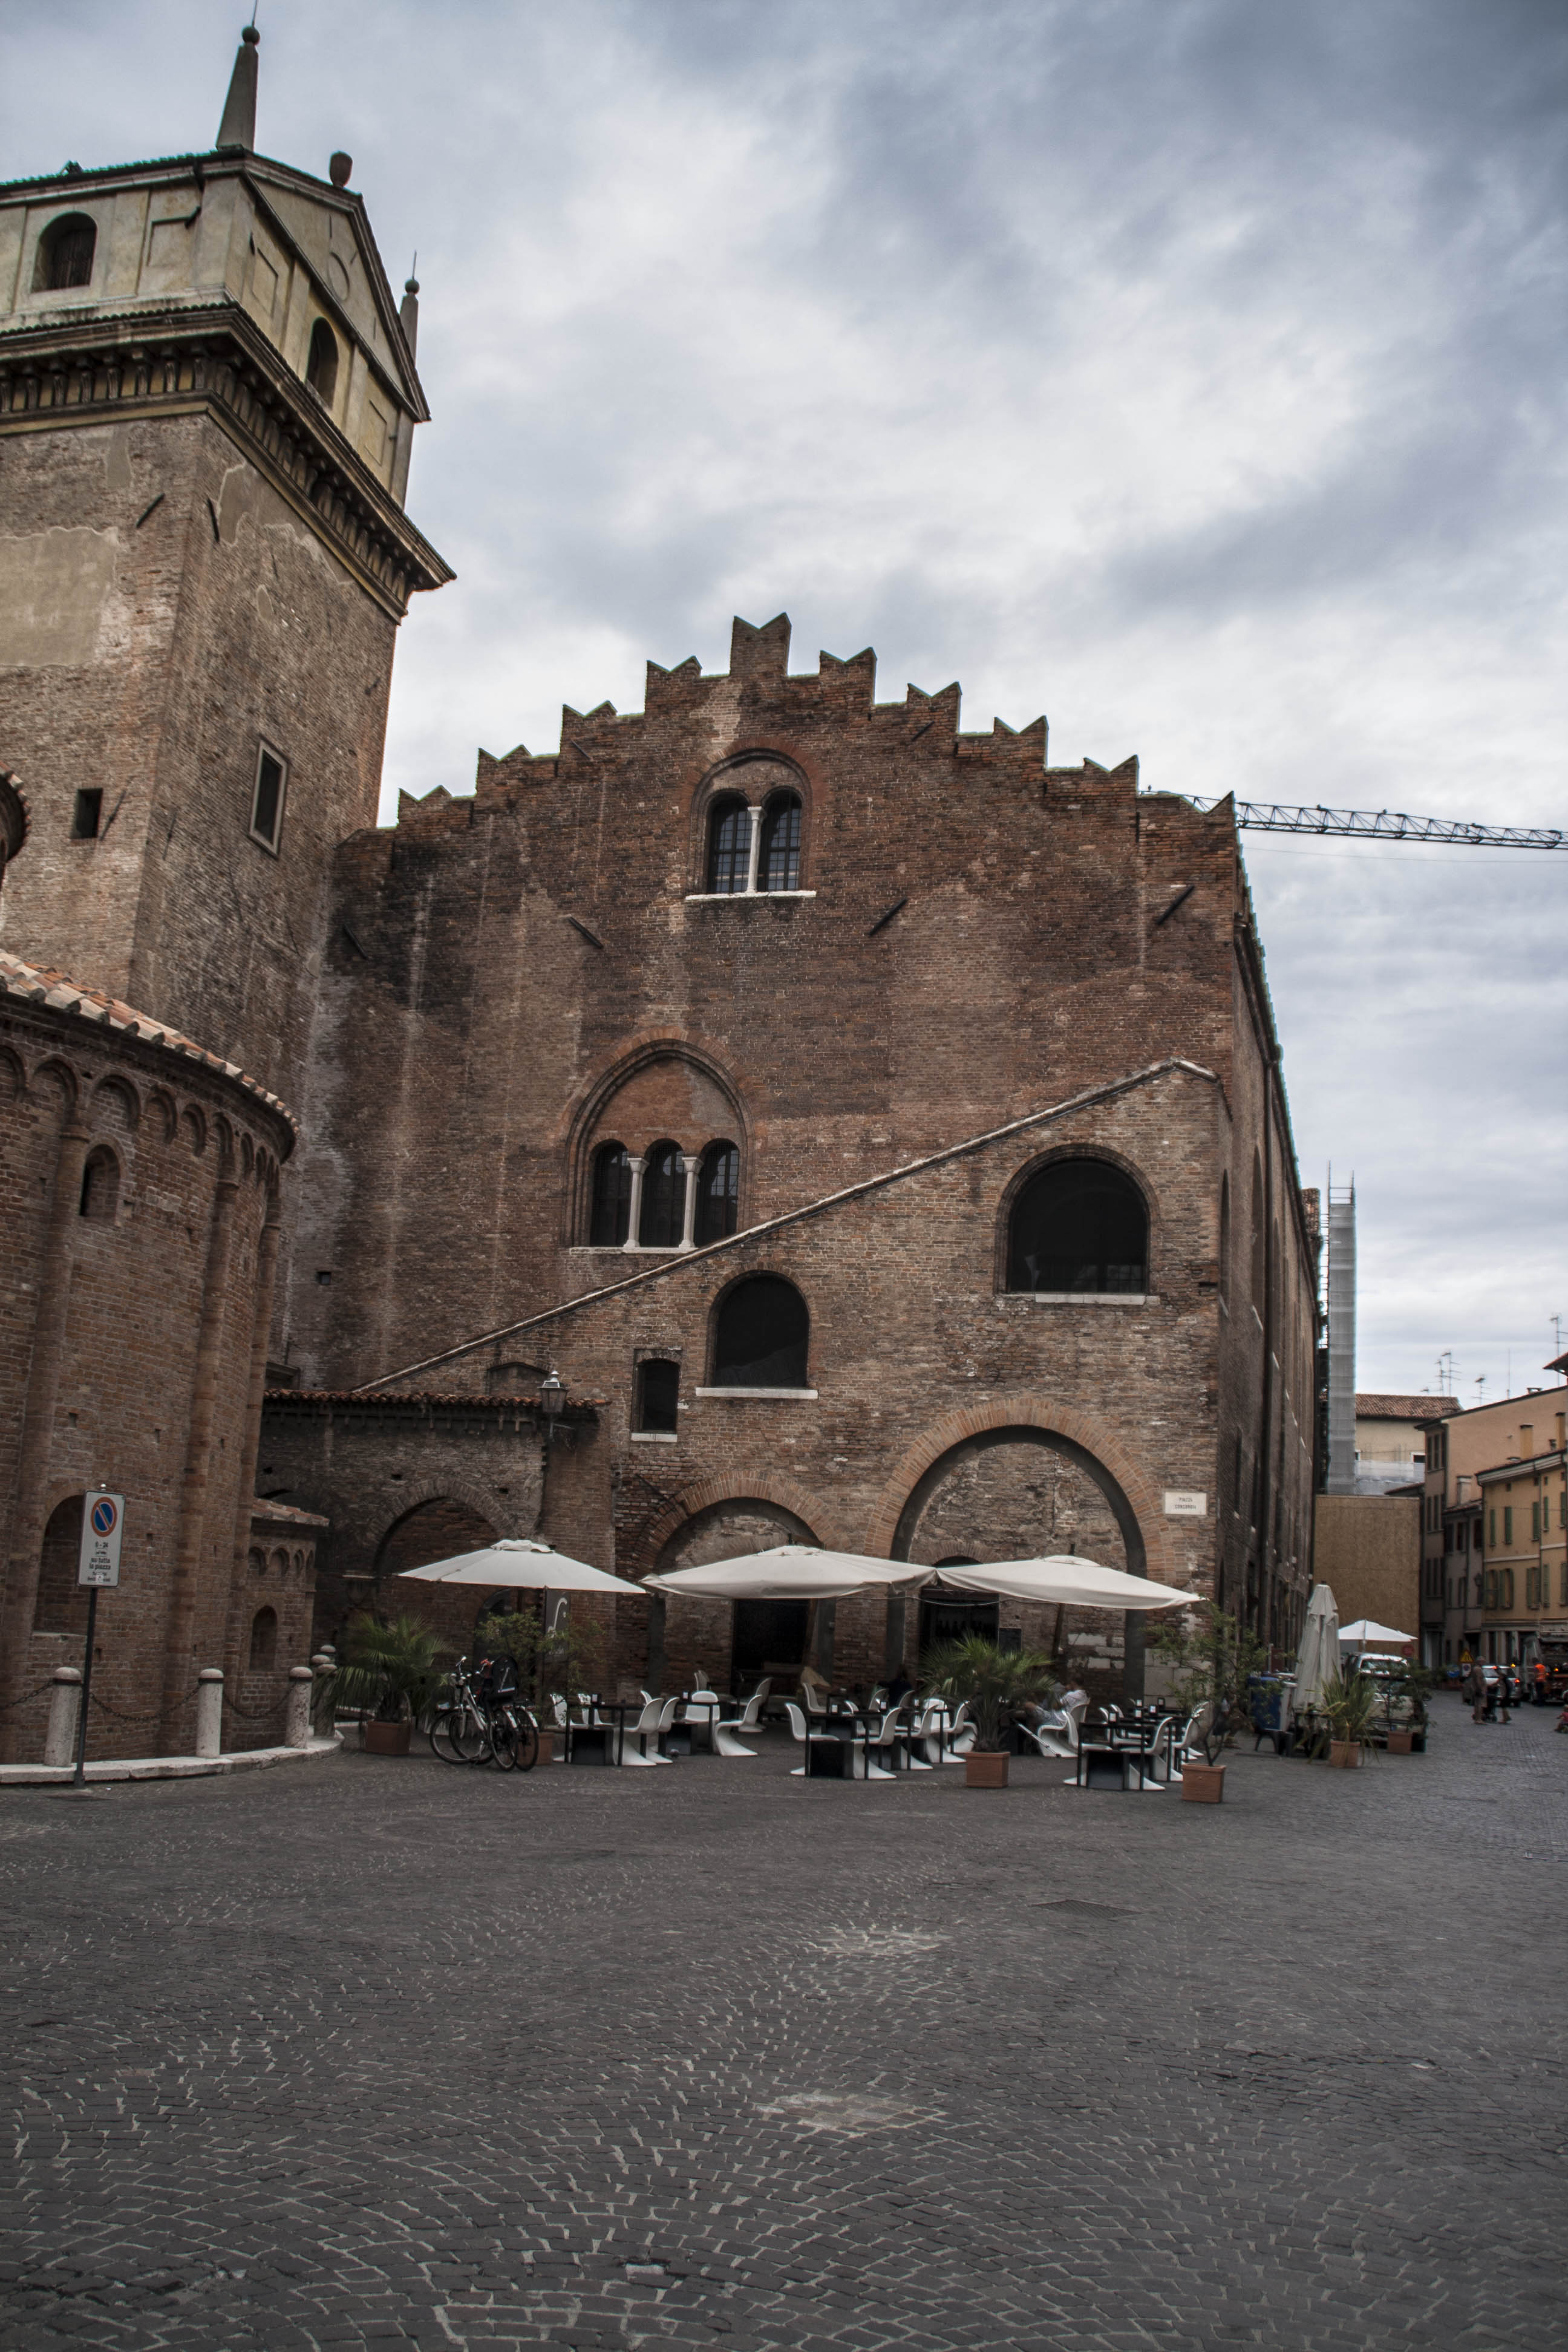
{"x":656,"y":1437}
{"x":727,"y":898}
{"x":791,"y":1396}
{"x":637,"y":1249}
{"x":1086,"y":1297}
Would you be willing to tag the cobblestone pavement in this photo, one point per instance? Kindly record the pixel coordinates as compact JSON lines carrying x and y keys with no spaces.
{"x":383,"y":2053}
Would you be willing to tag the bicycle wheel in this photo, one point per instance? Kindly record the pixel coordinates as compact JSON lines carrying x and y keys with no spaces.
{"x":527,"y":1741}
{"x":440,"y":1736}
{"x":502,"y":1731}
{"x":465,"y":1731}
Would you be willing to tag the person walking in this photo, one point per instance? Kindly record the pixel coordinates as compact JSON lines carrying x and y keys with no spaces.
{"x":1475,"y":1690}
{"x":1504,"y":1694}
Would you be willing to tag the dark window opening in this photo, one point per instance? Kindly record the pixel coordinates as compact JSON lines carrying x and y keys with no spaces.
{"x":1259,"y":1250}
{"x":321,"y":367}
{"x":663,"y":1219}
{"x":956,"y":1616}
{"x":778,"y":861}
{"x":609,"y":1221}
{"x":62,"y":1603}
{"x":267,"y":807}
{"x":1078,"y":1225}
{"x":728,"y":845}
{"x":263,"y":1640}
{"x":99,"y":1185}
{"x":770,"y":1638}
{"x":659,"y":1391}
{"x":761,"y":1335}
{"x":717,"y":1194}
{"x":86,"y":815}
{"x":65,"y":254}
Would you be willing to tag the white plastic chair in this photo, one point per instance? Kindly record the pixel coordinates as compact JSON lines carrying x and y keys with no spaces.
{"x":725,"y":1743}
{"x":1058,"y":1737}
{"x":959,"y":1737}
{"x":802,"y":1732}
{"x":815,"y":1702}
{"x":884,"y":1738}
{"x":645,"y":1728}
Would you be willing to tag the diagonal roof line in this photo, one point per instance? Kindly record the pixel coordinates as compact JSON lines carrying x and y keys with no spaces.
{"x":794,"y":1216}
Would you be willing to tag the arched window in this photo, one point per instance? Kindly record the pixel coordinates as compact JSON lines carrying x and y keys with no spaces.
{"x":778,"y":862}
{"x":1078,"y":1225}
{"x":62,"y":1603}
{"x":760,"y":1335}
{"x":728,"y":844}
{"x":321,"y":367}
{"x":99,"y":1184}
{"x":658,"y":1397}
{"x":662,"y":1221}
{"x":65,"y":254}
{"x":717,"y":1194}
{"x":609,"y":1219}
{"x":263,"y":1640}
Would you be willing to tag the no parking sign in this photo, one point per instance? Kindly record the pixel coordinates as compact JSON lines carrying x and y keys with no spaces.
{"x":102,"y":1524}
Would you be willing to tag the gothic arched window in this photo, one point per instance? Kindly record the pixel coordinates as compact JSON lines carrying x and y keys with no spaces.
{"x":65,"y":254}
{"x":1078,"y":1225}
{"x":761,"y":1335}
{"x":263,"y":1640}
{"x":609,"y":1219}
{"x":778,"y":864}
{"x":100,"y":1185}
{"x":728,"y":844}
{"x":717,"y":1194}
{"x":662,"y":1221}
{"x":321,"y":367}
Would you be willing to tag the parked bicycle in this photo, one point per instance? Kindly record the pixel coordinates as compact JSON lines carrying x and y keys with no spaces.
{"x":482,"y":1718}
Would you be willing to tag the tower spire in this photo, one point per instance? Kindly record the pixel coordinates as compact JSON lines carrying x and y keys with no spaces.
{"x":237,"y":128}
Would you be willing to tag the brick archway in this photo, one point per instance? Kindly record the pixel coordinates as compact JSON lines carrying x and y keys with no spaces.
{"x":1083,"y":1433}
{"x":767,"y":1487}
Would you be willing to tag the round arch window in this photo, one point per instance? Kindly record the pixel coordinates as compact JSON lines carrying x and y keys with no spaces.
{"x":761,"y":1335}
{"x":1078,"y":1225}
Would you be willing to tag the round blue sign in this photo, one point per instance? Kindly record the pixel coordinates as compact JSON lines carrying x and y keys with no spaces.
{"x":103,"y":1517}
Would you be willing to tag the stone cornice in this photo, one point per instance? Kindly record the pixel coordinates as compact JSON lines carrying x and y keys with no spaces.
{"x":210,"y":357}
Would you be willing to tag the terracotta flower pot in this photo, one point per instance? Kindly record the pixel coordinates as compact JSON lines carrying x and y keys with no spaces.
{"x":1203,"y":1784}
{"x":1401,"y":1743}
{"x":388,"y":1739}
{"x":1345,"y":1754}
{"x":546,"y":1747}
{"x":982,"y":1772}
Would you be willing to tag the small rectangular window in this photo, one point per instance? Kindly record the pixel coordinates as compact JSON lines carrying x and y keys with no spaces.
{"x":87,"y":815}
{"x":266,"y":805}
{"x":658,"y":1392}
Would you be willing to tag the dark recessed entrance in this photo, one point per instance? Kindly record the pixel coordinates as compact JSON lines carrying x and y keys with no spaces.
{"x":952,"y":1616}
{"x":769,"y":1639}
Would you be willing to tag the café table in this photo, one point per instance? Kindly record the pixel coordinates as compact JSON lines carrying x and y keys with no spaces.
{"x":606,"y":1727}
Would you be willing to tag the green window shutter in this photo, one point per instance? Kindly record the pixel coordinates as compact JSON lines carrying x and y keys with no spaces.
{"x":1507,"y":1525}
{"x":1491,"y":1531}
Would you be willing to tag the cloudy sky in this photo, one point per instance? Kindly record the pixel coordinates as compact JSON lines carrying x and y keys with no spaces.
{"x":1191,"y":370}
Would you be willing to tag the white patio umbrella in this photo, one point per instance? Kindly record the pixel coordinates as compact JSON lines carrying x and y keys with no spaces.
{"x":516,"y":1563}
{"x":1069,"y":1582}
{"x":790,"y":1573}
{"x":1366,"y":1633}
{"x":1318,"y":1653}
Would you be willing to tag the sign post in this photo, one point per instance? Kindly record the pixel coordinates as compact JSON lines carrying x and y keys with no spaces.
{"x":98,"y":1565}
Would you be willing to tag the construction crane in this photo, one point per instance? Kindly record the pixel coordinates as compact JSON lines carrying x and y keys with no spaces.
{"x":1389,"y":824}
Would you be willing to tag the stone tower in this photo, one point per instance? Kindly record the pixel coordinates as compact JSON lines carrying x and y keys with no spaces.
{"x":207,"y":402}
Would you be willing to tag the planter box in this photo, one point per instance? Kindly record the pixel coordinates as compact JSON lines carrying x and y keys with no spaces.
{"x":1203,"y":1784}
{"x":546,"y":1747}
{"x":985,"y":1771}
{"x":386,"y":1738}
{"x":1401,"y":1743}
{"x":1345,"y":1754}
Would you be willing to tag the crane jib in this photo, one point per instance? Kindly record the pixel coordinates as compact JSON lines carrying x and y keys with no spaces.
{"x":1389,"y":824}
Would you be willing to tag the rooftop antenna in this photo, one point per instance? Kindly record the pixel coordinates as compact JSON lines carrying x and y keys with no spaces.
{"x":1446,"y":1372}
{"x":1481,"y":1390}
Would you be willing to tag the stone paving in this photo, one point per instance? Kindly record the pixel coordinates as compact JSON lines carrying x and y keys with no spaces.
{"x":388,"y":2052}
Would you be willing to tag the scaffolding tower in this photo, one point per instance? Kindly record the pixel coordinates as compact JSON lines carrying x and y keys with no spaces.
{"x":1341,"y":1479}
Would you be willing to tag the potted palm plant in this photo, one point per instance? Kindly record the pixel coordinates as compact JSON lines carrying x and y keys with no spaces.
{"x":1350,"y":1702}
{"x":995,"y":1685}
{"x":392,"y":1673}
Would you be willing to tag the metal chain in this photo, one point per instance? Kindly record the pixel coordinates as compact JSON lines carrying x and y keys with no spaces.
{"x":11,"y":1705}
{"x":151,"y":1716}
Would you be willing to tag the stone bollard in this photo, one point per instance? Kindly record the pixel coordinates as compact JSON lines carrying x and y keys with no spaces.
{"x":297,"y":1722}
{"x":209,"y":1711}
{"x":65,"y":1715}
{"x":325,"y":1666}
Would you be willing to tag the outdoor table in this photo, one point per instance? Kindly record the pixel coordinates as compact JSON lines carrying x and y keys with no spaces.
{"x":607,"y":1725}
{"x":700,"y":1714}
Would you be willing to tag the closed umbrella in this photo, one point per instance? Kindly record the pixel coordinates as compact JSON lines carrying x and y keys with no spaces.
{"x":516,"y":1563}
{"x":1317,"y":1654}
{"x":790,"y":1573}
{"x":1069,"y":1582}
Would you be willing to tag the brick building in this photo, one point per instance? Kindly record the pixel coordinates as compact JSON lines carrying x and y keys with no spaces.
{"x":879,"y":1131}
